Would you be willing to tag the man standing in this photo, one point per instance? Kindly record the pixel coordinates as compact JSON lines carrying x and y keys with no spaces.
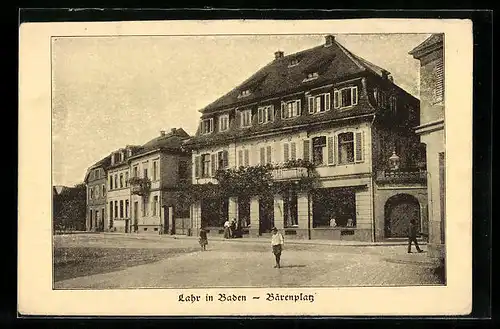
{"x":277,"y":242}
{"x":412,"y":235}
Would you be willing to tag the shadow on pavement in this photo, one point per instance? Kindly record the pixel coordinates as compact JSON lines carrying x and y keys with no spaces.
{"x":292,"y":266}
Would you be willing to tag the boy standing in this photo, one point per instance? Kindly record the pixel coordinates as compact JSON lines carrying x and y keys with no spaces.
{"x":277,"y":242}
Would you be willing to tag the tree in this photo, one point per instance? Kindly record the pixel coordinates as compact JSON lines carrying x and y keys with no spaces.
{"x":69,"y":208}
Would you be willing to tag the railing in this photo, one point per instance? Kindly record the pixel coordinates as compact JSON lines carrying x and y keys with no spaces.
{"x":289,"y":173}
{"x":399,"y":176}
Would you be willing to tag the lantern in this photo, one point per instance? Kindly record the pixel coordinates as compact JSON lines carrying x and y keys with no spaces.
{"x":394,"y":161}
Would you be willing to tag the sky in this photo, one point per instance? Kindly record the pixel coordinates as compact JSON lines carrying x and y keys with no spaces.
{"x":109,"y":92}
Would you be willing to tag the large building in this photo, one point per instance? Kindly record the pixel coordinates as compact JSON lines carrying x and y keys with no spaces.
{"x":335,"y":134}
{"x":157,"y":171}
{"x":432,"y":134}
{"x":95,"y":181}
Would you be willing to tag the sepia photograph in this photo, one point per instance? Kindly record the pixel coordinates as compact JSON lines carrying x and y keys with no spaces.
{"x":248,"y":160}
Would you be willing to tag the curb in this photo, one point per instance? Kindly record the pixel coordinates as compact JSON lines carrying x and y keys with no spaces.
{"x":256,"y":240}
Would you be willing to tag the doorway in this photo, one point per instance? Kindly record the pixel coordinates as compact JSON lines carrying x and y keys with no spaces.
{"x":399,"y":211}
{"x":266,"y":214}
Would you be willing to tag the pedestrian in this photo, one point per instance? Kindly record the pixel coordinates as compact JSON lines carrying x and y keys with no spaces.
{"x":277,"y":242}
{"x":412,"y":235}
{"x":227,"y":229}
{"x":232,"y":228}
{"x":203,"y":239}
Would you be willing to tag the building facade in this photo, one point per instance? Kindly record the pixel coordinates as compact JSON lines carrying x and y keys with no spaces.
{"x":95,"y":181}
{"x":118,"y":198}
{"x":323,"y":116}
{"x":157,"y":172}
{"x":430,"y":53}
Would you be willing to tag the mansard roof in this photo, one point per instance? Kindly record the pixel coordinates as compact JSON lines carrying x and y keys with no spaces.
{"x":332,"y":63}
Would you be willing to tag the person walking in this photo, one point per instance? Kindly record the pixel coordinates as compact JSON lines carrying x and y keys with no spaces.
{"x":277,"y":242}
{"x":203,"y":239}
{"x":227,"y":229}
{"x":412,"y":235}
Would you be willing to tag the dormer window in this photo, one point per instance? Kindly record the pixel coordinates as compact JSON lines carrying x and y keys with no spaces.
{"x":311,"y":76}
{"x":207,"y":126}
{"x":319,"y":103}
{"x":265,"y":113}
{"x":246,"y":118}
{"x":290,"y":109}
{"x":224,"y":122}
{"x":345,"y":97}
{"x":244,"y":93}
{"x":293,"y":62}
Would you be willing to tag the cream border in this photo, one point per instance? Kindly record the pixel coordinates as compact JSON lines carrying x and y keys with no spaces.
{"x":35,"y":296}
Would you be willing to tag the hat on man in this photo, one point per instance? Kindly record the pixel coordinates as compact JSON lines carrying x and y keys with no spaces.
{"x":274,"y":229}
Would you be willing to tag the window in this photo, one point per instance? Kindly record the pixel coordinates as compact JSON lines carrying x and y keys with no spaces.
{"x":126,"y":178}
{"x":121,"y":208}
{"x":224,"y":122}
{"x":110,"y":182}
{"x":121,"y":180}
{"x":136,"y":171}
{"x":207,"y":126}
{"x":116,"y":180}
{"x":222,"y":161}
{"x":246,"y":154}
{"x":145,"y":171}
{"x":319,"y":143}
{"x":116,"y":209}
{"x":290,"y":109}
{"x":244,"y":93}
{"x":246,"y":118}
{"x":205,"y":169}
{"x":293,"y":62}
{"x":155,"y":170}
{"x":381,"y":98}
{"x":289,"y":151}
{"x":346,"y":148}
{"x":103,"y":189}
{"x":311,"y":76}
{"x":127,"y":205}
{"x":96,"y":192}
{"x":154,"y":205}
{"x":265,"y":155}
{"x":346,"y":97}
{"x":243,"y":158}
{"x":319,"y":103}
{"x":438,"y":88}
{"x":90,"y":193}
{"x":265,"y":113}
{"x":110,"y":209}
{"x":393,"y":104}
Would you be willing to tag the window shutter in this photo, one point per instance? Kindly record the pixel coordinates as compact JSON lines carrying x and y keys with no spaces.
{"x":336,"y":99}
{"x":283,"y":110}
{"x":299,"y":107}
{"x":330,"y":150}
{"x":240,"y":158}
{"x":438,"y":81}
{"x":214,"y":164}
{"x":327,"y":102}
{"x":317,"y":104}
{"x":269,"y":154}
{"x":306,"y":149}
{"x":293,"y":151}
{"x":311,"y":104}
{"x":197,"y":166}
{"x":262,"y":156}
{"x":354,"y":95}
{"x":259,"y":115}
{"x":247,"y":158}
{"x":271,"y":114}
{"x":285,"y":152}
{"x":359,"y":146}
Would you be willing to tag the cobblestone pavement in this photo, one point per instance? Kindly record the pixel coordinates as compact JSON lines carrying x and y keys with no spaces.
{"x":234,"y":264}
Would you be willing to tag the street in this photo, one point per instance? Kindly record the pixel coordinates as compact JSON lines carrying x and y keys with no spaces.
{"x":168,"y":262}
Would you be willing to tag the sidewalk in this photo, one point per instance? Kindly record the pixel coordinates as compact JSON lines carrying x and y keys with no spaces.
{"x":266,"y":240}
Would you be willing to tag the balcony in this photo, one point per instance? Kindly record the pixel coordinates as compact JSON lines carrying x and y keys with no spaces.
{"x":289,"y":173}
{"x":401,"y":177}
{"x":139,"y":186}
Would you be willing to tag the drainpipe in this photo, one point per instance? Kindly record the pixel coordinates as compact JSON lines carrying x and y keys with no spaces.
{"x":372,"y":182}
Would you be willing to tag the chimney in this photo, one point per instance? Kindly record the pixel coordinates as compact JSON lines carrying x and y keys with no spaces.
{"x":162,"y":132}
{"x":386,"y":74}
{"x":173,"y":130}
{"x":278,"y":54}
{"x":329,"y":40}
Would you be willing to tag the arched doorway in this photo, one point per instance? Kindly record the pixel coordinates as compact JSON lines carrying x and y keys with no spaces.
{"x":399,"y":210}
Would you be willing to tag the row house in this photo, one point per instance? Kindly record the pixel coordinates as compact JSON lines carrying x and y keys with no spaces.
{"x":157,"y":172}
{"x":322,"y":113}
{"x":432,"y":133}
{"x":118,"y":197}
{"x":95,"y":181}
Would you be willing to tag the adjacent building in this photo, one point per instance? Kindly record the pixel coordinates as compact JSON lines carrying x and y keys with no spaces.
{"x":118,"y":197}
{"x":157,"y":172}
{"x":430,"y":53}
{"x":325,"y":116}
{"x":95,"y":181}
